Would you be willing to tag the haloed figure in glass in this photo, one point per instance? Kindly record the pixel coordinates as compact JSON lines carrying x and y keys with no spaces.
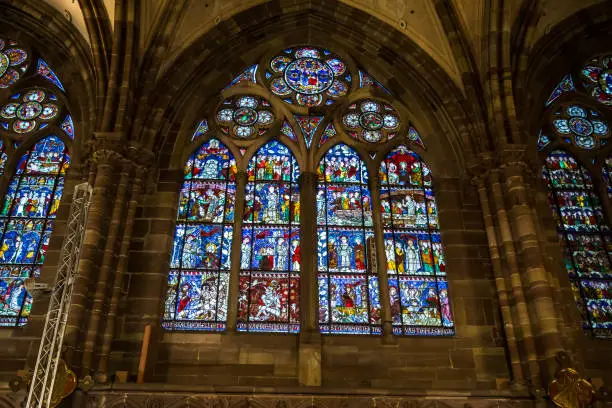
{"x":26,"y":222}
{"x":270,"y":263}
{"x":413,"y":250}
{"x":348,"y":285}
{"x":198,"y":282}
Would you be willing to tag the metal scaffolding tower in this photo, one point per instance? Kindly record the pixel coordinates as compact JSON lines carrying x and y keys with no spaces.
{"x":49,"y":352}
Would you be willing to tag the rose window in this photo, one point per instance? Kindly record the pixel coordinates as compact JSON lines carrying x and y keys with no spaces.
{"x":584,"y":126}
{"x":13,"y":62}
{"x":308,"y":76}
{"x":371,"y":121}
{"x":29,"y":112}
{"x":597,"y":77}
{"x":245,"y":116}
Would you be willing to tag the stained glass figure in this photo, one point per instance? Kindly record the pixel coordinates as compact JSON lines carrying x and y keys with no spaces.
{"x":245,"y":116}
{"x":543,"y":141}
{"x":597,"y":78}
{"x":585,"y":239}
{"x":248,"y":75}
{"x":3,"y":157}
{"x":371,"y":121}
{"x":308,"y":76}
{"x":309,"y":125}
{"x":585,"y":126}
{"x":349,"y":300}
{"x":29,"y":112}
{"x":26,"y":218}
{"x":198,"y":281}
{"x":67,"y":126}
{"x":287,"y":130}
{"x":46,"y":72}
{"x":414,"y":136}
{"x":366,"y":79}
{"x":607,"y":175}
{"x":201,"y":129}
{"x":328,"y":133}
{"x":270,"y":260}
{"x":566,"y":85}
{"x":413,"y":249}
{"x":13,"y":62}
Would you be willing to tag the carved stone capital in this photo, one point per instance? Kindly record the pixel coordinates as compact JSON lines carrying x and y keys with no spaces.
{"x":107,"y":148}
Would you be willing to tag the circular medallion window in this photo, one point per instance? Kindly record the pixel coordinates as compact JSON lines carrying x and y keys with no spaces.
{"x":597,"y":79}
{"x":308,"y":76}
{"x":13,"y":62}
{"x":29,"y":111}
{"x":371,"y":121}
{"x":245,"y":116}
{"x":581,"y":126}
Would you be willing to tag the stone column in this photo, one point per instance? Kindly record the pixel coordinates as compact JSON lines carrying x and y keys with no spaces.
{"x":108,"y":328}
{"x":105,"y":279}
{"x":381,"y":261}
{"x":516,"y":370}
{"x":236,"y":251}
{"x":506,"y":239}
{"x":107,"y":155}
{"x":534,"y":276}
{"x":309,"y":364}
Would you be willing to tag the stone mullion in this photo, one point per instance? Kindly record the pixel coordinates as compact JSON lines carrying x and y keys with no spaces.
{"x":100,"y":297}
{"x":236,"y":251}
{"x":309,"y":359}
{"x":105,"y":163}
{"x":500,"y":284}
{"x":308,"y":253}
{"x":381,"y":262}
{"x":525,"y":334}
{"x":122,"y":265}
{"x":535,"y":274}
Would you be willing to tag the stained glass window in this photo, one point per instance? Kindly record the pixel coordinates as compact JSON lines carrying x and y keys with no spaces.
{"x":607,"y":175}
{"x":245,"y":116}
{"x":198,"y":281}
{"x":416,"y":267}
{"x":585,"y":237}
{"x":26,"y":222}
{"x":585,"y":127}
{"x":309,"y":125}
{"x":348,"y":284}
{"x":308,"y":76}
{"x":13,"y":62}
{"x":566,"y":85}
{"x":46,"y":72}
{"x":248,"y":75}
{"x":270,"y":263}
{"x":201,"y":129}
{"x":3,"y":157}
{"x":371,"y":121}
{"x":597,"y":78}
{"x":28,"y":112}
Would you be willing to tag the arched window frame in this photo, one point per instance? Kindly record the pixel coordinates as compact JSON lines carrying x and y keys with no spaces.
{"x":35,"y":74}
{"x":596,"y":162}
{"x":309,"y":145}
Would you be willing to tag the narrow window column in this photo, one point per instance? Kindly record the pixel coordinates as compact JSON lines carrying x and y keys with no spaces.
{"x":381,"y":261}
{"x":534,"y":275}
{"x":309,"y":364}
{"x":110,"y":321}
{"x":516,"y":369}
{"x":234,"y":279}
{"x":107,"y":157}
{"x":105,"y":279}
{"x":524,"y":332}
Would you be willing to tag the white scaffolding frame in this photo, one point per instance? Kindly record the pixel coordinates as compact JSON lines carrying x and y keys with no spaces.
{"x":49,"y":352}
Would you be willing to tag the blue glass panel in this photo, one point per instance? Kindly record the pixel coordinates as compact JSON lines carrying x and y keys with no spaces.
{"x":198,"y":281}
{"x":413,"y":250}
{"x":270,"y":249}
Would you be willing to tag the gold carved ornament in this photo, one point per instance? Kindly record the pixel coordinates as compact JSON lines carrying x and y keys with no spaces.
{"x":570,"y":390}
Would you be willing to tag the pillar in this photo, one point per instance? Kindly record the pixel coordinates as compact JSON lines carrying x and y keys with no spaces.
{"x":309,"y":359}
{"x":236,"y":251}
